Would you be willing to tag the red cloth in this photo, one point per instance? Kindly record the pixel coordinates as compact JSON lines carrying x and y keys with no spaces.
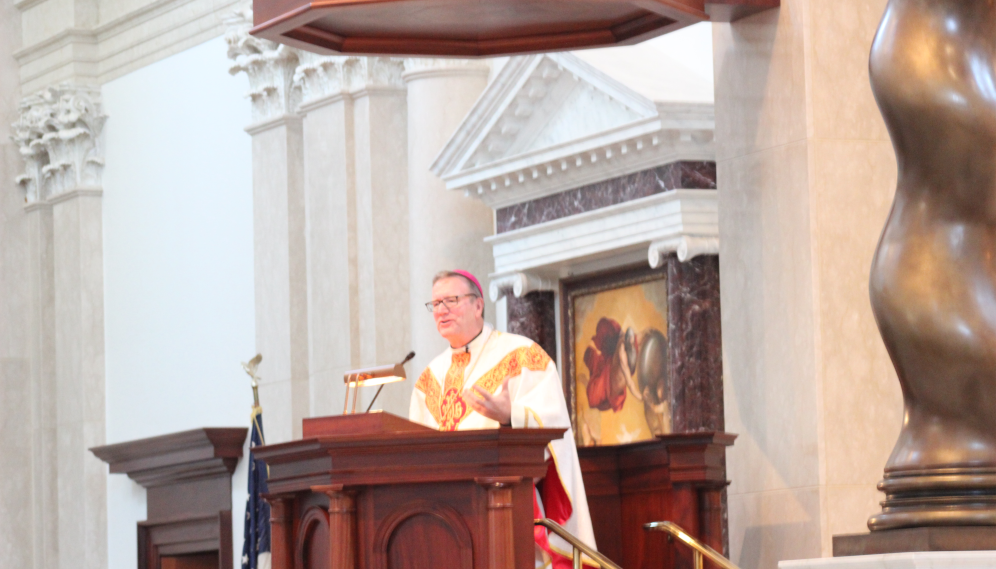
{"x":557,"y":505}
{"x":598,"y":358}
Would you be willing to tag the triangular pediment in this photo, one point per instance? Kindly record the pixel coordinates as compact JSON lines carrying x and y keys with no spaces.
{"x":539,"y":102}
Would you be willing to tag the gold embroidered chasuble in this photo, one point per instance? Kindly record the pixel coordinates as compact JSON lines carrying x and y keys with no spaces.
{"x":537,"y":401}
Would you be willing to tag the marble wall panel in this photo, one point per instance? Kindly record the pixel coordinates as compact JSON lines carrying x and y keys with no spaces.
{"x":676,"y":175}
{"x":840,"y":38}
{"x":759,"y":66}
{"x":768,"y":527}
{"x":533,"y":316}
{"x":16,"y":536}
{"x":808,"y":175}
{"x":695,"y":344}
{"x":768,"y":321}
{"x":862,"y":399}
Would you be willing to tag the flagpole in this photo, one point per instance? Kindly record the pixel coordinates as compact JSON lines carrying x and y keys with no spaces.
{"x":256,"y":533}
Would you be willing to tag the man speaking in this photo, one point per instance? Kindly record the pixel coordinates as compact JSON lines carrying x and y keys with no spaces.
{"x":488,"y":379}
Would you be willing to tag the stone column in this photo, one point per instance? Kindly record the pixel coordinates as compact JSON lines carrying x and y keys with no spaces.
{"x":330,"y":198}
{"x":447,"y":229}
{"x":59,"y":134}
{"x":382,"y":257}
{"x":20,"y":539}
{"x":355,"y":147}
{"x":278,"y":226}
{"x":806,"y":174}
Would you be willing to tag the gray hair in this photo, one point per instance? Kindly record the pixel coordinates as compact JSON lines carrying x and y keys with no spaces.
{"x":470,"y":284}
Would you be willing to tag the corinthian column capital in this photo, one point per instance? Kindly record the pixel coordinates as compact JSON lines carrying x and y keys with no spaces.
{"x":321,"y":76}
{"x":270,"y":67}
{"x":58,"y":132}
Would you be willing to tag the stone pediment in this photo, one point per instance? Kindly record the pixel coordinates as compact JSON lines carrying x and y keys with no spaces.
{"x":551,"y":122}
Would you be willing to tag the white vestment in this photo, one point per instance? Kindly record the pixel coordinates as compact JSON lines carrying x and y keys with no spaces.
{"x":537,"y":401}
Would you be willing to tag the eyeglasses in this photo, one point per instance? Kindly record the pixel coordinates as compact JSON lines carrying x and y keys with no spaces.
{"x":449,"y":302}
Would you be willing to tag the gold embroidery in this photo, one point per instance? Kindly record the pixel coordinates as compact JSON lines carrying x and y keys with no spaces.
{"x":427,"y":384}
{"x":454,"y":410}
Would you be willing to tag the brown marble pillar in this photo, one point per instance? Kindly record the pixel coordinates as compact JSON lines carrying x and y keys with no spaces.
{"x":533,"y":316}
{"x":695,"y":348}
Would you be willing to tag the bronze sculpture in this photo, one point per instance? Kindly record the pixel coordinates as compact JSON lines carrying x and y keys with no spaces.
{"x":933,"y":278}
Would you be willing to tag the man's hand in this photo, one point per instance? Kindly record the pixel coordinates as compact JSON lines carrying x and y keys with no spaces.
{"x":497,"y":407}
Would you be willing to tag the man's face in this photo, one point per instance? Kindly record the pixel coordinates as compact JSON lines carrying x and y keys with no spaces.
{"x":461,"y":323}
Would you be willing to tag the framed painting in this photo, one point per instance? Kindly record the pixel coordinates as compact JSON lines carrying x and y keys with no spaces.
{"x":615,"y":345}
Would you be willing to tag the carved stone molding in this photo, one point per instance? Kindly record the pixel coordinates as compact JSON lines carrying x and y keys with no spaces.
{"x":687,"y":247}
{"x":270,"y":67}
{"x":323,"y":77}
{"x":519,"y":284}
{"x":506,"y":151}
{"x":58,"y":133}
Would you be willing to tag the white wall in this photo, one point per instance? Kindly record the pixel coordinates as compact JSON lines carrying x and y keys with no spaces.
{"x":178,"y":264}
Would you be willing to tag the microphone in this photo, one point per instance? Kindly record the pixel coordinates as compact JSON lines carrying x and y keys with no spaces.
{"x":407,"y":359}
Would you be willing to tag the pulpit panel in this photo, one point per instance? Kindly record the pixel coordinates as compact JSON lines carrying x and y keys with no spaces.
{"x":431,"y":530}
{"x":429,"y":540}
{"x":312,"y":551}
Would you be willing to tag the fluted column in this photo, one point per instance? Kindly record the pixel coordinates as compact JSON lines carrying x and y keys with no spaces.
{"x":278,"y":227}
{"x":447,"y":229}
{"x":59,"y":133}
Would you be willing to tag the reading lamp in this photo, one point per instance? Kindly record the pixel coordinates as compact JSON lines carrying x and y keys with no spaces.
{"x":380,"y":375}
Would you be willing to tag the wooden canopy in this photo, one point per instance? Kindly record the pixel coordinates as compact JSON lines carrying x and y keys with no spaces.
{"x":481,"y":28}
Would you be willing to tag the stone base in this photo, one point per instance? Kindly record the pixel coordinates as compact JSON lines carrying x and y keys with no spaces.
{"x":918,"y":560}
{"x":951,"y":538}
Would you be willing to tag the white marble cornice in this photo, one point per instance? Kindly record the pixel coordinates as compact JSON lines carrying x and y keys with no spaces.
{"x":616,"y":152}
{"x":270,"y":67}
{"x":681,"y":221}
{"x":58,"y":133}
{"x":425,"y":67}
{"x":126,"y":36}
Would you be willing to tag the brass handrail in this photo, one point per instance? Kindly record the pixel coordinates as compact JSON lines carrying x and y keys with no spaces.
{"x":698,"y":548}
{"x":578,"y":545}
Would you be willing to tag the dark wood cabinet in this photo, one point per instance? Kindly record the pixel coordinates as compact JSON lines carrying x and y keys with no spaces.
{"x":188,"y":482}
{"x":677,"y":478}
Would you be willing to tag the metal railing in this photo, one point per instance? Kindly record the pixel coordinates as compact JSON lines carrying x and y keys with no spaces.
{"x":578,"y":545}
{"x":698,"y":548}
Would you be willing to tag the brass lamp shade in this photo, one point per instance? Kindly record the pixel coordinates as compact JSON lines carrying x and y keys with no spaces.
{"x":480,"y":28}
{"x":379,"y":375}
{"x":376,"y":375}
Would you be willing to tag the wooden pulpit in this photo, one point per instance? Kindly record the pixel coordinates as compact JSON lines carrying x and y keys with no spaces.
{"x":376,"y":491}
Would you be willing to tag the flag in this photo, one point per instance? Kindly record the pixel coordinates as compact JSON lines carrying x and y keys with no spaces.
{"x":256,"y":544}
